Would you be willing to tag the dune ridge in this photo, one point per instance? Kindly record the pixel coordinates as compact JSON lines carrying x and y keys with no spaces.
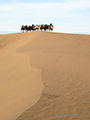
{"x":45,"y":76}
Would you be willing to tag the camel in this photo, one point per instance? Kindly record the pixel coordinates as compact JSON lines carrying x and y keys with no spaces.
{"x":33,"y":27}
{"x":45,"y":27}
{"x":50,"y":27}
{"x":29,"y":28}
{"x":26,"y":28}
{"x":37,"y":27}
{"x":22,"y":28}
{"x":42,"y":27}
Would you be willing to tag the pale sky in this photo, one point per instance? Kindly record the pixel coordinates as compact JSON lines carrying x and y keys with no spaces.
{"x":67,"y":16}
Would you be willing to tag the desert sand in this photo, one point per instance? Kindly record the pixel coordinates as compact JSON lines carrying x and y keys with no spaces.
{"x":44,"y":76}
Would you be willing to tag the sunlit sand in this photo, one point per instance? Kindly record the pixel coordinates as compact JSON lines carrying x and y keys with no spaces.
{"x":44,"y":76}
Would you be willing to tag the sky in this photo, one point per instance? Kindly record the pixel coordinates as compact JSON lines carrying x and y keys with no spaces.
{"x":67,"y":16}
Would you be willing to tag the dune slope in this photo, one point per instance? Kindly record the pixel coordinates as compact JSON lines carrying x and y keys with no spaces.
{"x":65,"y":63}
{"x":20,"y":84}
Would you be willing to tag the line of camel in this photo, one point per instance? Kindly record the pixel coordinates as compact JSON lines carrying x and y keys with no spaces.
{"x":37,"y":27}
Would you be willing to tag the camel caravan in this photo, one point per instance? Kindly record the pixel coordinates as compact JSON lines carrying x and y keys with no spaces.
{"x":37,"y":27}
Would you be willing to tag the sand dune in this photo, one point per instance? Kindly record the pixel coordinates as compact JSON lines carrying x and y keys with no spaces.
{"x":44,"y":76}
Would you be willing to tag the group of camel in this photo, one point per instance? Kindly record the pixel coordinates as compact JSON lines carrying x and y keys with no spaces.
{"x":37,"y":27}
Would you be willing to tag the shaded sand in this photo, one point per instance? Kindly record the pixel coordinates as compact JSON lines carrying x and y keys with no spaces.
{"x":20,"y":84}
{"x":64,"y":60}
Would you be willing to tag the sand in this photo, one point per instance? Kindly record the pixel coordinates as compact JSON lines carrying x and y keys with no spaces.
{"x":20,"y":84}
{"x":44,"y":76}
